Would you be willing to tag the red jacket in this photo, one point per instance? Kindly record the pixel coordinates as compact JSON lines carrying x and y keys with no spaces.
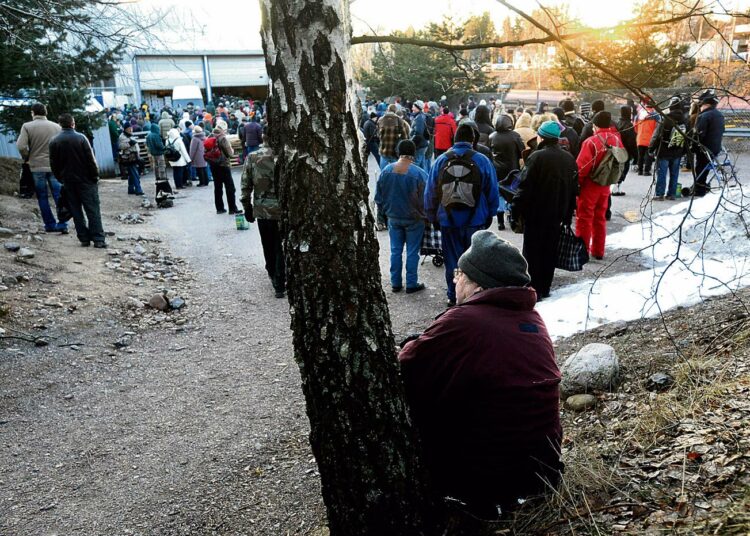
{"x":482,"y":385}
{"x":445,"y":130}
{"x":592,"y":153}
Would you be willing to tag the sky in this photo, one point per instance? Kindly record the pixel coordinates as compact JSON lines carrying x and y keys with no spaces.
{"x":235,"y":24}
{"x":196,"y":24}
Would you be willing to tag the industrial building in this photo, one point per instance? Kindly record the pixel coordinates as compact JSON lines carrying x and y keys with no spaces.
{"x":151,"y":76}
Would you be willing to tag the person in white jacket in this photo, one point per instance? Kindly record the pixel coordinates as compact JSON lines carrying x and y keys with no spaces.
{"x":179,"y":167}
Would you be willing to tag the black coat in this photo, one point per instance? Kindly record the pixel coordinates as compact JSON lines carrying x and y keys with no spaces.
{"x":574,"y":143}
{"x":710,"y":128}
{"x":506,"y":147}
{"x":546,"y":198}
{"x":663,"y":145}
{"x":575,"y":122}
{"x":548,"y":188}
{"x":71,"y":158}
{"x":627,"y":135}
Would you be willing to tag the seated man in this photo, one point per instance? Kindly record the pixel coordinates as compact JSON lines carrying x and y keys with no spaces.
{"x":483,"y":385}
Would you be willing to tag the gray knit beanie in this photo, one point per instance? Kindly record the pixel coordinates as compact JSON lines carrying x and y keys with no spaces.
{"x":492,"y":262}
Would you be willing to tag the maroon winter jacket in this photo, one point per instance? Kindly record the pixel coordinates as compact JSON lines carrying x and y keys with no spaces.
{"x":482,"y":384}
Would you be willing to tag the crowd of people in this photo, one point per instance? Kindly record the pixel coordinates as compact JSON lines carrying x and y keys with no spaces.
{"x":192,"y":141}
{"x":486,"y":407}
{"x":482,"y":381}
{"x":558,"y":153}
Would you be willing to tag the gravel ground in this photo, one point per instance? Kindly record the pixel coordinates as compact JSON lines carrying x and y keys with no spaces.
{"x":197,"y":424}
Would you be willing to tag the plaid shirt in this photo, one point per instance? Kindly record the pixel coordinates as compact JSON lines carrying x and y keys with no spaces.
{"x":391,"y":130}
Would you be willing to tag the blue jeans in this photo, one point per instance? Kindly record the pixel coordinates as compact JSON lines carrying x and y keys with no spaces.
{"x":134,"y":180}
{"x":662,"y":166}
{"x":455,"y":240}
{"x":385,"y":160}
{"x":421,"y":160}
{"x":41,"y":180}
{"x":409,"y":233}
{"x":372,"y":148}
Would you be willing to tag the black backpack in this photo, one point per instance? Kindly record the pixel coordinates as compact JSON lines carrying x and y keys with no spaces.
{"x":171,"y":153}
{"x":459,"y":182}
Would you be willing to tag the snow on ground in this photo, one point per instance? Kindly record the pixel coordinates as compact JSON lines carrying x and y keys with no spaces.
{"x":673,"y":270}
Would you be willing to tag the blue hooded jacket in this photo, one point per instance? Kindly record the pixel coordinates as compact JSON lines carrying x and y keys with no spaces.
{"x":489,"y":201}
{"x":154,"y":142}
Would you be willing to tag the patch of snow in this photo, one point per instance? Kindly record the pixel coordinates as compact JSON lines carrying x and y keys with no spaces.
{"x":708,"y":257}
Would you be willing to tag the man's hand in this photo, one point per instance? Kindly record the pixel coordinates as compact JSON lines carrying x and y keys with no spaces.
{"x":249,"y":216}
{"x":409,"y":338}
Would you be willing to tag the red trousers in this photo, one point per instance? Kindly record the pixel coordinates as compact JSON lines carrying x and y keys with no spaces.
{"x":591,"y":224}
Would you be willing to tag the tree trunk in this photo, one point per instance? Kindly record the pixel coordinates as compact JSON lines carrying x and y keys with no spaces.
{"x":373,"y":482}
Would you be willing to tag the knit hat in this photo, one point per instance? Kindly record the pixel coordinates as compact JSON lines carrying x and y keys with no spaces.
{"x":549,"y":129}
{"x":197,"y":130}
{"x":492,"y":262}
{"x":602,"y":119}
{"x":419,"y":104}
{"x":406,"y":148}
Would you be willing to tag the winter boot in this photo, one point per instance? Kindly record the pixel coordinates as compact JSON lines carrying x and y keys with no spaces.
{"x":501,"y":221}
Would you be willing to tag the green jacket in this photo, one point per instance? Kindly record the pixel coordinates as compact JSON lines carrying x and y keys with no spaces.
{"x":154,"y":142}
{"x":259,"y":193}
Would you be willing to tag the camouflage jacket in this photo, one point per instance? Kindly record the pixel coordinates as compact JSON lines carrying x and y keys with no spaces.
{"x":259,"y":193}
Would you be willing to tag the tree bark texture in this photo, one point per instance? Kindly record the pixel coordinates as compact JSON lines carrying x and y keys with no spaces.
{"x":372,"y":479}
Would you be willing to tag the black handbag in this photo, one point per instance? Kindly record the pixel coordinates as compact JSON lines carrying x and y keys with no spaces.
{"x":26,"y":183}
{"x":572,"y":253}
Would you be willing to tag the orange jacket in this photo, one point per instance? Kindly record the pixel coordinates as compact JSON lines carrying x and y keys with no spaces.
{"x":644,"y":129}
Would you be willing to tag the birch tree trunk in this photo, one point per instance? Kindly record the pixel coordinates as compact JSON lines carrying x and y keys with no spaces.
{"x":372,"y":479}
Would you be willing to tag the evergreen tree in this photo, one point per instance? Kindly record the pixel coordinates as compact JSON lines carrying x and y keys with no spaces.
{"x":51,"y":52}
{"x":422,"y":72}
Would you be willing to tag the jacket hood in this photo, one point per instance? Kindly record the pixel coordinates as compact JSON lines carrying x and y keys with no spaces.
{"x":482,"y":115}
{"x":218,"y":131}
{"x":155,"y":129}
{"x":165,"y":115}
{"x":524,"y":121}
{"x":201,"y":134}
{"x":173,"y":134}
{"x":503,"y":123}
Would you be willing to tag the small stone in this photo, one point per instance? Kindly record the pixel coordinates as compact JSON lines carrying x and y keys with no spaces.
{"x":122,"y":342}
{"x":661,"y":381}
{"x":3,"y":288}
{"x":10,"y":280}
{"x":614,"y":329}
{"x":52,"y":302}
{"x":41,"y":342}
{"x":177,"y":303}
{"x":25,"y":253}
{"x":139,"y":250}
{"x":68,"y":397}
{"x":158,"y":301}
{"x":12,"y":246}
{"x":135,"y":303}
{"x":580,"y":402}
{"x":2,"y":331}
{"x":181,"y":321}
{"x":4,"y":231}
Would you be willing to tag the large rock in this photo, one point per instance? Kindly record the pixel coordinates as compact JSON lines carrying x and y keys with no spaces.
{"x":593,"y":368}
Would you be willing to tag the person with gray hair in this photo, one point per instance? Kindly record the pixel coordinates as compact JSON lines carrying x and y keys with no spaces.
{"x":33,"y":145}
{"x":482,"y":384}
